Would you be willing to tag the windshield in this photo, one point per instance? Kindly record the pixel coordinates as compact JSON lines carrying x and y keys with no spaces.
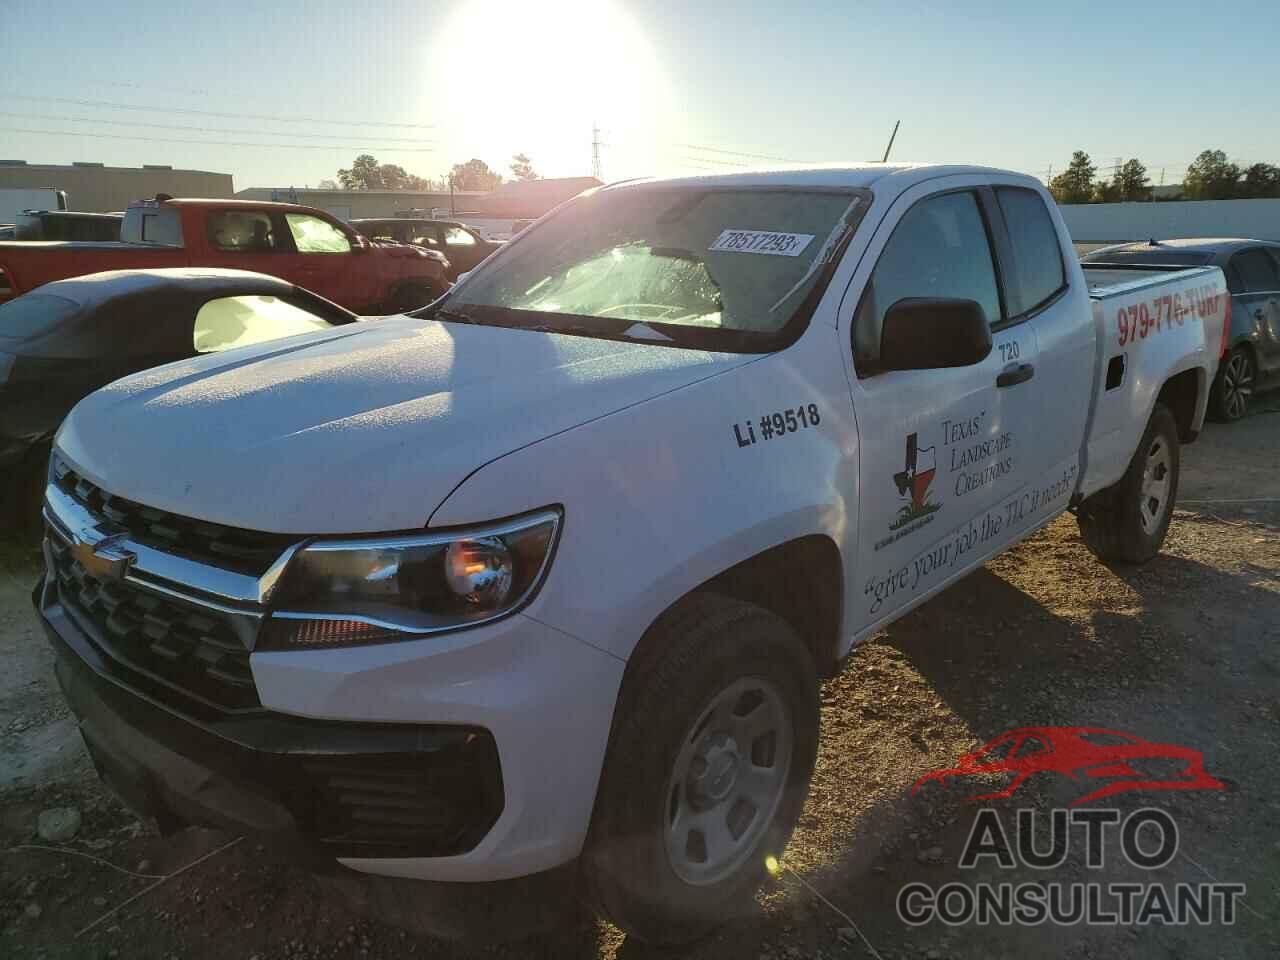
{"x":735,"y":269}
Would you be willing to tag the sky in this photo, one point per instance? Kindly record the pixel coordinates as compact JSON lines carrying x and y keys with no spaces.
{"x":286,"y":92}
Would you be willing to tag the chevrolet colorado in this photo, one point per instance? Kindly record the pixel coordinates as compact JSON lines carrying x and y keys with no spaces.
{"x":548,"y":572}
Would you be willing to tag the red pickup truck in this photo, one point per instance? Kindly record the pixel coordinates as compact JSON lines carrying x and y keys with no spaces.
{"x":305,"y":246}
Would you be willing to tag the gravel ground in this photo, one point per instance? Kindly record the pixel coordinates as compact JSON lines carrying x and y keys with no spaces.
{"x":1185,"y":650}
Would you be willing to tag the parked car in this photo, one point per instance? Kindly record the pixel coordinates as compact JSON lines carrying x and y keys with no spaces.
{"x":547,"y":572}
{"x":67,"y":225}
{"x":302,"y":245}
{"x":70,"y":337}
{"x":1252,"y":362}
{"x":461,"y":245}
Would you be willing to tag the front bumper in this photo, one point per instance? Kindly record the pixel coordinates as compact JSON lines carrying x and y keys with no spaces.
{"x":471,"y":759}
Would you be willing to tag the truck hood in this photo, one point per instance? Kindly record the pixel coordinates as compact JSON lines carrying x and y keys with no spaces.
{"x":355,"y":430}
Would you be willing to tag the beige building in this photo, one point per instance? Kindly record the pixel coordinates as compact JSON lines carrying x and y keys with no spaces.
{"x":510,"y":201}
{"x":95,"y":187}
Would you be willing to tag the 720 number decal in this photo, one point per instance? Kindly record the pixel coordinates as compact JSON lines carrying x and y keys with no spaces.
{"x":777,"y":424}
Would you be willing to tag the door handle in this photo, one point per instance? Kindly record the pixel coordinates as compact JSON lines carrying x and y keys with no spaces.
{"x":1012,"y":376}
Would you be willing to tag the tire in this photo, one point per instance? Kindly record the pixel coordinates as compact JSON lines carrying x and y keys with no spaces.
{"x":714,"y":675}
{"x":1128,"y":521}
{"x":1233,"y":385}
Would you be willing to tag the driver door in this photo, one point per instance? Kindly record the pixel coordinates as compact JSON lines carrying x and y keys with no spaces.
{"x":943,"y":451}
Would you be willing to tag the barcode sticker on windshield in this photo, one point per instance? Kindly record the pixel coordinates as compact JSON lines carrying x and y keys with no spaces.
{"x":761,"y":241}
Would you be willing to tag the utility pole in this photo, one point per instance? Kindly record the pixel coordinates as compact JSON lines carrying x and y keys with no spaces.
{"x":452,"y":210}
{"x":893,"y":136}
{"x":596,"y":170}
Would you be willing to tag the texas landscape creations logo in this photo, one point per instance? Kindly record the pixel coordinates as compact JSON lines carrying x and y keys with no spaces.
{"x":913,"y":482}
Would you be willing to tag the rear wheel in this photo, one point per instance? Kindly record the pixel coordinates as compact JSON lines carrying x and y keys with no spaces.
{"x":708,"y":767}
{"x":1128,"y":521}
{"x":1233,"y":385}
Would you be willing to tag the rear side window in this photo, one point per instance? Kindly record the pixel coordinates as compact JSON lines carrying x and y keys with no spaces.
{"x":1037,"y":256}
{"x":151,"y":225}
{"x":243,"y":231}
{"x":1257,"y":271}
{"x":939,"y":248}
{"x":33,"y":315}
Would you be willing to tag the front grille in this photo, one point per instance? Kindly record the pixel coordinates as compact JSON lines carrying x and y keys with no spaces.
{"x":436,"y":804}
{"x":192,"y":652}
{"x":244,"y":551}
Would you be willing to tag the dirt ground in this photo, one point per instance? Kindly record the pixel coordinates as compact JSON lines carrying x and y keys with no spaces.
{"x":1185,"y":650}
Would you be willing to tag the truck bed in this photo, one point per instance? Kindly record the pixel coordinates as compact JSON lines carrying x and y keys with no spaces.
{"x":1152,"y":323}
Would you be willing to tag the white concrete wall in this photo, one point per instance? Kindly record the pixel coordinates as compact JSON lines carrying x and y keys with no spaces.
{"x":1120,"y":222}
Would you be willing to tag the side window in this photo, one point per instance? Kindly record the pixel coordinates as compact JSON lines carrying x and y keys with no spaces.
{"x":163,"y":227}
{"x":1257,"y":271}
{"x":457,"y":237}
{"x":239,"y":321}
{"x":940,"y":248}
{"x":1037,"y":255}
{"x":313,"y":235}
{"x":1234,"y":283}
{"x":243,"y":231}
{"x":427,"y":235}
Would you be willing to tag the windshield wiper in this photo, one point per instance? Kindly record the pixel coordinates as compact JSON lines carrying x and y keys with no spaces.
{"x":455,"y":316}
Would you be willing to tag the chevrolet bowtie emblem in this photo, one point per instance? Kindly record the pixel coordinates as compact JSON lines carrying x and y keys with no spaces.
{"x":102,"y":557}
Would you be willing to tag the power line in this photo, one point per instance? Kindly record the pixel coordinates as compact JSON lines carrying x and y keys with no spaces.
{"x":210,"y":113}
{"x":718,"y":163}
{"x":209,"y":143}
{"x":179,"y":126}
{"x":738,"y":153}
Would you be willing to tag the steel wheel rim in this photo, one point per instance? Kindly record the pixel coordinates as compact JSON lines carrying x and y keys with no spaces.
{"x":727,"y":781}
{"x":1156,"y":476}
{"x":1237,"y":385}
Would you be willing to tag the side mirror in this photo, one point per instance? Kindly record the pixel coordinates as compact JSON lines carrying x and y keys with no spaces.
{"x":462,"y":276}
{"x":924,"y":333}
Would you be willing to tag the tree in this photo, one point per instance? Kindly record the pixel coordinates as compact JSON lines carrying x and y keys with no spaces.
{"x":522,"y":168}
{"x":1131,"y":181}
{"x":367,"y":174}
{"x":474,"y":175}
{"x":1211,"y":177}
{"x":1261,"y":180}
{"x":1075,"y":184}
{"x":327,"y":184}
{"x":363,"y":174}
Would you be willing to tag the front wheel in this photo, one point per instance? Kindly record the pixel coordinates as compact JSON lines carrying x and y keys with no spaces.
{"x":1128,"y":521}
{"x":709,"y":764}
{"x":1233,"y":386}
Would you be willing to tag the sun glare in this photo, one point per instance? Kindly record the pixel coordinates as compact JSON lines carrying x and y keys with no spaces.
{"x":532,"y":77}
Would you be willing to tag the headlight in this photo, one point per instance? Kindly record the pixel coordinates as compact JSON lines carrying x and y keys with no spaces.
{"x":345,"y":592}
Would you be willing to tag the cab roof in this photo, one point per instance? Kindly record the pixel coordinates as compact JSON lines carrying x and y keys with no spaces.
{"x":849,"y":176}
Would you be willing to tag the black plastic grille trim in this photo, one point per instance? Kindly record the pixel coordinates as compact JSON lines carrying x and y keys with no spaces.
{"x":435,"y":804}
{"x":244,"y":551}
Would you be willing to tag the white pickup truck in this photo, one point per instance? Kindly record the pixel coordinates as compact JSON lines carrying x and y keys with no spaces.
{"x":548,"y":573}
